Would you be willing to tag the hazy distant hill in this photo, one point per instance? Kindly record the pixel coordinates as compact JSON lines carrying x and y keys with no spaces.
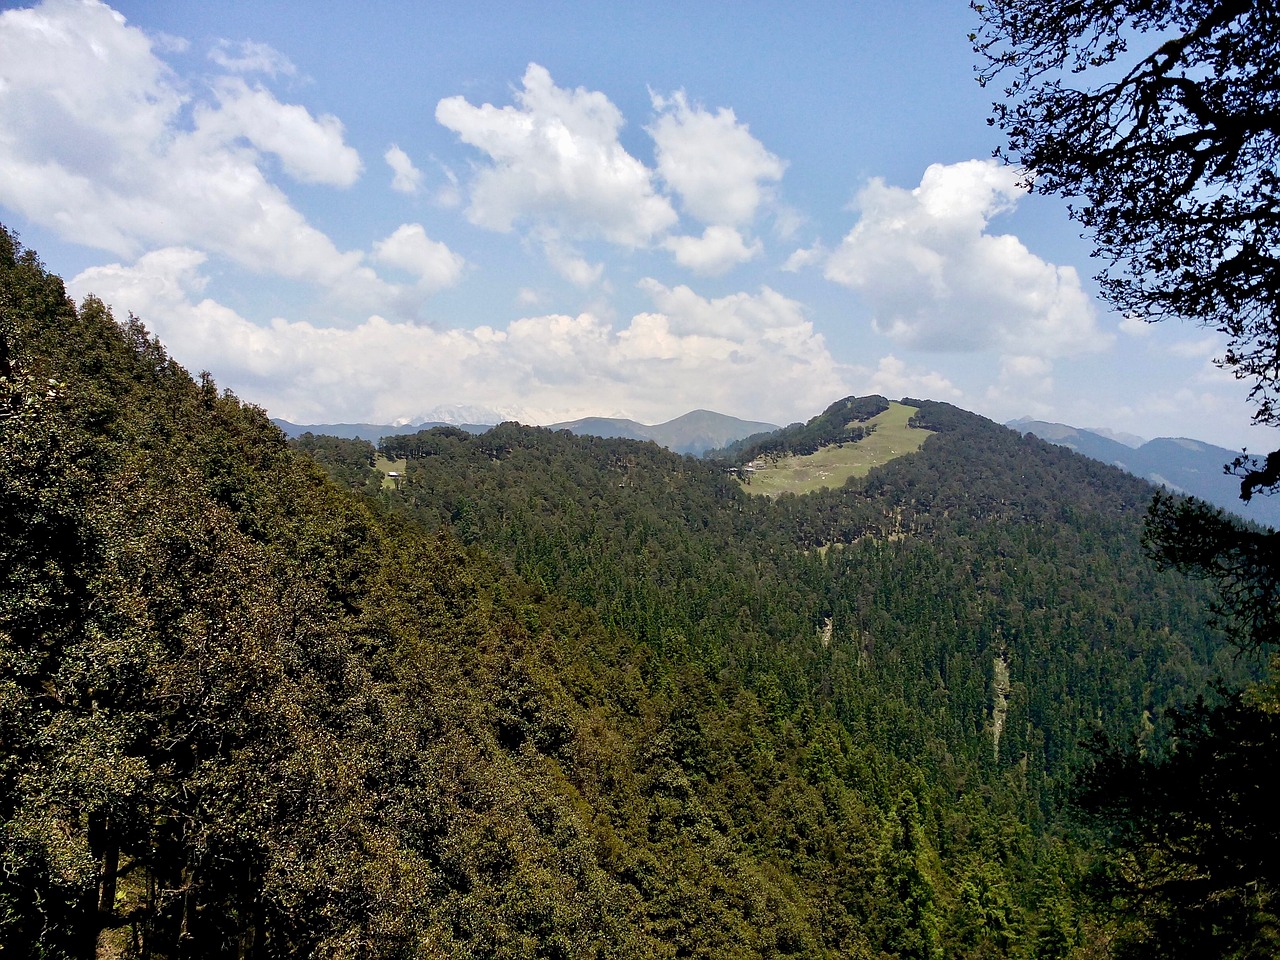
{"x":1182,"y":465}
{"x":373,"y":432}
{"x":696,"y":432}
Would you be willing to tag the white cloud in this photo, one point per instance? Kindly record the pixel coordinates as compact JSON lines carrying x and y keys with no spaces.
{"x":250,"y":56}
{"x":892,"y":378}
{"x":936,"y":279}
{"x":787,"y":220}
{"x":555,"y":160}
{"x":1022,"y":380}
{"x":1134,"y":326}
{"x":1025,"y":368}
{"x":449,"y":194}
{"x":410,"y":249}
{"x":570,"y":264}
{"x":102,"y":143}
{"x":711,"y":160}
{"x":754,"y":355}
{"x":312,"y":149}
{"x":804,"y":257}
{"x":719,"y":249}
{"x":1203,"y":348}
{"x":406,"y":177}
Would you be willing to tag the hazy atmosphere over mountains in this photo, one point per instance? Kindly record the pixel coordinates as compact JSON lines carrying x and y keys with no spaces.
{"x":890,"y":682}
{"x":1176,"y":463}
{"x":578,"y":210}
{"x":546,"y":695}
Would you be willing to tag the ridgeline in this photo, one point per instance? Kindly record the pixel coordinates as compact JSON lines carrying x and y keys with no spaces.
{"x":549,"y":695}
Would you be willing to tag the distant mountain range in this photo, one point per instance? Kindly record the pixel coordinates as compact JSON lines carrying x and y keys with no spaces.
{"x":695,"y":433}
{"x":373,"y":432}
{"x":1183,"y":466}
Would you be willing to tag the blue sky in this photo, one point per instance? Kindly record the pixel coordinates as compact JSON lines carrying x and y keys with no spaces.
{"x":544,"y":211}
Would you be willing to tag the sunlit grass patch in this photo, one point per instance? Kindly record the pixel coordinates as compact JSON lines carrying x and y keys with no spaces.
{"x":833,"y":465}
{"x":388,"y":467}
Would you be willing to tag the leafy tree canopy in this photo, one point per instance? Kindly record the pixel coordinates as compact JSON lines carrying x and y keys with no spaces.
{"x":1164,"y":117}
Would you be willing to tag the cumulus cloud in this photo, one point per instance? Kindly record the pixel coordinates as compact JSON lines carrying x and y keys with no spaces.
{"x":311,"y":149}
{"x":410,"y":249}
{"x":554,"y":160}
{"x":719,"y":249}
{"x":711,"y":160}
{"x":753,"y":354}
{"x":804,"y":257}
{"x":936,"y":279}
{"x":105,"y":145}
{"x":251,"y":56}
{"x":555,"y":167}
{"x":759,"y":351}
{"x":406,"y":178}
{"x":894,"y":379}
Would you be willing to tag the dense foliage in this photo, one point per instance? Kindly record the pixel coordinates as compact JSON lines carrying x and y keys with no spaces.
{"x":554,"y":697}
{"x":1194,"y":844}
{"x":349,"y":463}
{"x":1165,"y":118}
{"x":886,"y":603}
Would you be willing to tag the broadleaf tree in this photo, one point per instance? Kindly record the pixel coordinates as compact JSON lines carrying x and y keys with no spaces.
{"x":1160,"y":121}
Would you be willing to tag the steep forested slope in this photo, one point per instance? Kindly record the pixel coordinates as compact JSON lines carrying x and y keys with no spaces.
{"x":894,"y":598}
{"x":967,"y":615}
{"x":555,"y":697}
{"x":244,"y":715}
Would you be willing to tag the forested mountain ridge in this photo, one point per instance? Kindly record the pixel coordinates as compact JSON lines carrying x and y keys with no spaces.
{"x":1185,"y":466}
{"x":984,"y":546}
{"x":695,"y":432}
{"x":373,"y":432}
{"x":555,"y":697}
{"x":839,"y":423}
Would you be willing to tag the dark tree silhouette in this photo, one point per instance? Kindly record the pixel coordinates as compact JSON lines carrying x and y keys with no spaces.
{"x":1161,"y":119}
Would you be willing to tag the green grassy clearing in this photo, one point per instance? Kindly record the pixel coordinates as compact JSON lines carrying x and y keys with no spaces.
{"x":833,"y":465}
{"x":386,"y":466}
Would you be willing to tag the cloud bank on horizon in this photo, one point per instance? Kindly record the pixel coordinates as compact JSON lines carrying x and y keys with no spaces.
{"x":644,"y":265}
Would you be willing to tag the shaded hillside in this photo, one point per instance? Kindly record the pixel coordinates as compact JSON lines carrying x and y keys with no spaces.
{"x":1184,"y":466}
{"x":554,"y":697}
{"x":244,"y":715}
